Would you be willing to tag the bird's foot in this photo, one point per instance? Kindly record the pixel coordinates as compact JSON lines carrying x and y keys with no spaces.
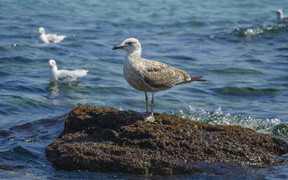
{"x":150,"y":118}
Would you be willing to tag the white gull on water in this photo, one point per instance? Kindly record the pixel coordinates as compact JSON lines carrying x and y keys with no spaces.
{"x":49,"y":38}
{"x":281,"y":17}
{"x":65,"y":76}
{"x":150,"y":76}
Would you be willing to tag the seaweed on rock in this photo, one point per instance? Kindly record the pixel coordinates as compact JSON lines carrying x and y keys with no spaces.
{"x":105,"y":139}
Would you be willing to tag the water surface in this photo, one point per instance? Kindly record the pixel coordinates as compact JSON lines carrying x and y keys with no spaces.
{"x":237,"y":46}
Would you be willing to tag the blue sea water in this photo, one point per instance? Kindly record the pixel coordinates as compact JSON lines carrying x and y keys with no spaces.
{"x":237,"y":45}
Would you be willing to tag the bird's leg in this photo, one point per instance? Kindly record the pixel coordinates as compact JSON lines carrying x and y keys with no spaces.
{"x":152,"y":104}
{"x":146,"y":98}
{"x":151,"y":117}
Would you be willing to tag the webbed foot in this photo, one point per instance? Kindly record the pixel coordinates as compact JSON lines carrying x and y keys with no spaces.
{"x":150,"y":118}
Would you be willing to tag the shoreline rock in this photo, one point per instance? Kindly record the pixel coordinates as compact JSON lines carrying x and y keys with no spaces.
{"x":103,"y":139}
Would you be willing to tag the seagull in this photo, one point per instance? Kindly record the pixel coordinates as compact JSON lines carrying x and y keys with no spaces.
{"x":64,"y":75}
{"x":281,"y":18}
{"x":50,"y":38}
{"x":150,"y":76}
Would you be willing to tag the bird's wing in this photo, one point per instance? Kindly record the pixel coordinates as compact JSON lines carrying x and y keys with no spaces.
{"x":55,"y":37}
{"x":51,"y":37}
{"x":160,"y":75}
{"x":65,"y":75}
{"x":285,"y":18}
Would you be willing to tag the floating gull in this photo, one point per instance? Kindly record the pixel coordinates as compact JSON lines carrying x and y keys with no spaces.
{"x":50,"y":38}
{"x":150,"y":76}
{"x":280,"y":17}
{"x":65,"y":76}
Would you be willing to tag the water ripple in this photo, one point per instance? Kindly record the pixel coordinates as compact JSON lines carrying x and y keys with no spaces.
{"x":237,"y":71}
{"x":248,"y":91}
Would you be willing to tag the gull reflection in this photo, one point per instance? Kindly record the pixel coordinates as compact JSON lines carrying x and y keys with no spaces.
{"x":53,"y":90}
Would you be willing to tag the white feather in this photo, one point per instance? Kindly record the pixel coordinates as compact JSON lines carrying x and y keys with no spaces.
{"x":64,"y":75}
{"x":50,"y":38}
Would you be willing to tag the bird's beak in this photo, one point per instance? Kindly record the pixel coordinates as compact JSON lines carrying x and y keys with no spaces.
{"x":121,"y":46}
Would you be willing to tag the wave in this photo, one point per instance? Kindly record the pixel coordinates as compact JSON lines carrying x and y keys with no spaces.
{"x":248,"y":32}
{"x":268,"y":126}
{"x":16,"y":59}
{"x":248,"y":91}
{"x":237,"y":70}
{"x":25,"y":142}
{"x":258,"y":31}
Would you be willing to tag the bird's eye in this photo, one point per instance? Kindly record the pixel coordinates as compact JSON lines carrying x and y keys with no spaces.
{"x":130,"y":43}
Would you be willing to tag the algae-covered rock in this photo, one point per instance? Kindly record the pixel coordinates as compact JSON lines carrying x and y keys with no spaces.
{"x":104,"y":139}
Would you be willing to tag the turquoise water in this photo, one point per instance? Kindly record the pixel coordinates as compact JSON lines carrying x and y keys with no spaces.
{"x":237,"y":46}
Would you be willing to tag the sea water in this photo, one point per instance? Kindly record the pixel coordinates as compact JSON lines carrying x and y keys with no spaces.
{"x":238,"y":47}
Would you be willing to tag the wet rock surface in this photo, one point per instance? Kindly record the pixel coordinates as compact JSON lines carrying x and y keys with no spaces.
{"x":104,"y":139}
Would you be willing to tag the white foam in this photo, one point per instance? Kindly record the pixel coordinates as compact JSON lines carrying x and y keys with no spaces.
{"x":219,"y":118}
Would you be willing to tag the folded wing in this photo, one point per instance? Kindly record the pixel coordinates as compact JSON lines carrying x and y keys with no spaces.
{"x":55,"y":38}
{"x":67,"y":76}
{"x":160,"y":75}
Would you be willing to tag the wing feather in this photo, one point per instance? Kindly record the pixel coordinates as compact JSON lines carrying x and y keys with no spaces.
{"x":54,"y":37}
{"x":65,"y":75}
{"x":160,"y":75}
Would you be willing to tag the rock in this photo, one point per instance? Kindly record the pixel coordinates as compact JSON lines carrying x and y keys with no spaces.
{"x":104,"y":139}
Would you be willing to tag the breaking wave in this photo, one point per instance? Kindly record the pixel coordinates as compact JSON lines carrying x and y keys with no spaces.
{"x":269,"y":126}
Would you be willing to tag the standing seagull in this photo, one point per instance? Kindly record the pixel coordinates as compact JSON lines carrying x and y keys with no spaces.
{"x":150,"y":76}
{"x":49,"y":38}
{"x":280,"y":17}
{"x":65,"y":76}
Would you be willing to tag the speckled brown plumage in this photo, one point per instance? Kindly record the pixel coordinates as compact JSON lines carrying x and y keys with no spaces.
{"x":150,"y":76}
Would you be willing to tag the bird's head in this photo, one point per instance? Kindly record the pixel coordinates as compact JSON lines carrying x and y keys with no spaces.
{"x":41,"y":30}
{"x":279,"y":12}
{"x":52,"y":63}
{"x":130,"y":45}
